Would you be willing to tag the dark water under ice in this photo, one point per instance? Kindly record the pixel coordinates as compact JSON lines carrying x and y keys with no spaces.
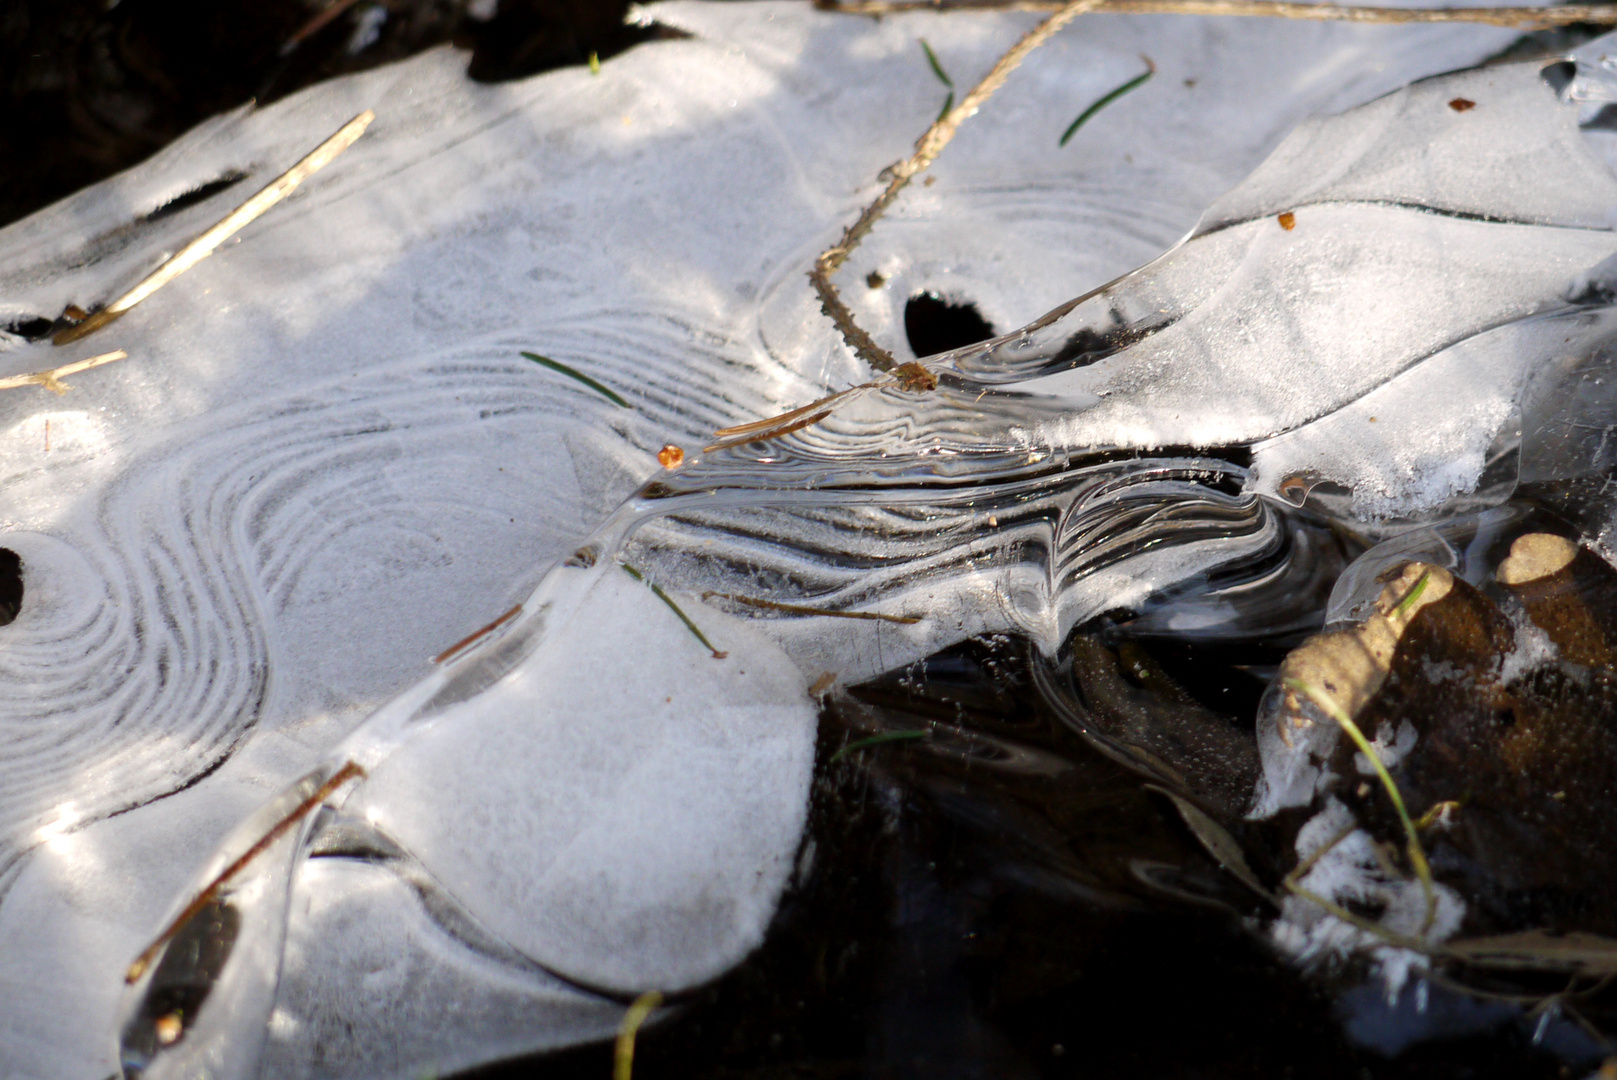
{"x":998,"y":899}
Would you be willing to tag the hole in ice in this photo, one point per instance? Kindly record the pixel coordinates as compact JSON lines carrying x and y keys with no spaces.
{"x":32,"y":327}
{"x":934,"y":325}
{"x":197,"y":194}
{"x":1560,"y":75}
{"x":524,"y":39}
{"x":10,"y":586}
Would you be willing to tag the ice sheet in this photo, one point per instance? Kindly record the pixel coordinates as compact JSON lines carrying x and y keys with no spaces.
{"x":325,"y":459}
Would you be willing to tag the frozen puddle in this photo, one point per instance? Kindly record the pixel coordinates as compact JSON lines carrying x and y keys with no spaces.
{"x":325,"y":461}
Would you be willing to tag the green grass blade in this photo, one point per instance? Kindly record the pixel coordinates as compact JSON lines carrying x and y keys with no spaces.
{"x":562,"y":369}
{"x":948,"y":103}
{"x":878,"y":740}
{"x":675,"y":608}
{"x":1413,"y":595}
{"x":937,"y":68}
{"x":1083,"y":117}
{"x":1417,"y":854}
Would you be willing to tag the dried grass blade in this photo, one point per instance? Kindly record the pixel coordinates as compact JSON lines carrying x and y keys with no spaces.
{"x":1216,"y":840}
{"x":623,"y":1049}
{"x":1538,"y":950}
{"x":801,"y":609}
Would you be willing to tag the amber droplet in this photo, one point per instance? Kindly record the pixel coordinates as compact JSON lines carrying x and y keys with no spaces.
{"x":168,"y":1028}
{"x":1461,"y":104}
{"x":1288,"y":220}
{"x":670,"y":456}
{"x":875,"y":280}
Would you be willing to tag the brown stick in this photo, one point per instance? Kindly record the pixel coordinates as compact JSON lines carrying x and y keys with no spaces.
{"x":1525,"y":18}
{"x":477,"y":635}
{"x":205,"y":897}
{"x":803,"y":609}
{"x":926,"y":150}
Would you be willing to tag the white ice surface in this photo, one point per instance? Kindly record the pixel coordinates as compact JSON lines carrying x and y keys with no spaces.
{"x":625,"y":807}
{"x":324,"y":460}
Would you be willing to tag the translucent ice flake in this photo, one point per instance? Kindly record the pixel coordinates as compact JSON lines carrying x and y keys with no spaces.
{"x":636,"y":806}
{"x":1366,"y":308}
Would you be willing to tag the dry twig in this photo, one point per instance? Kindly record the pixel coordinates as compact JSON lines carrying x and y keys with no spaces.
{"x":910,"y":376}
{"x":52,"y":378}
{"x":804,"y":609}
{"x":1522,"y":18}
{"x":204,"y":245}
{"x":926,"y":151}
{"x":202,"y":899}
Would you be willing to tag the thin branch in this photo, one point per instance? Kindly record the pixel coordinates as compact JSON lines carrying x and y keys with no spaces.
{"x":477,"y":635}
{"x":926,"y":150}
{"x":214,"y":887}
{"x":910,"y":376}
{"x":52,"y":379}
{"x":1524,"y":18}
{"x":803,"y":609}
{"x":234,"y":222}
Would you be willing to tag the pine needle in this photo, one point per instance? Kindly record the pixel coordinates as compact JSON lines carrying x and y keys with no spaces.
{"x":1107,"y":99}
{"x":879,"y":740}
{"x":675,"y":608}
{"x":348,"y":772}
{"x":573,"y":373}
